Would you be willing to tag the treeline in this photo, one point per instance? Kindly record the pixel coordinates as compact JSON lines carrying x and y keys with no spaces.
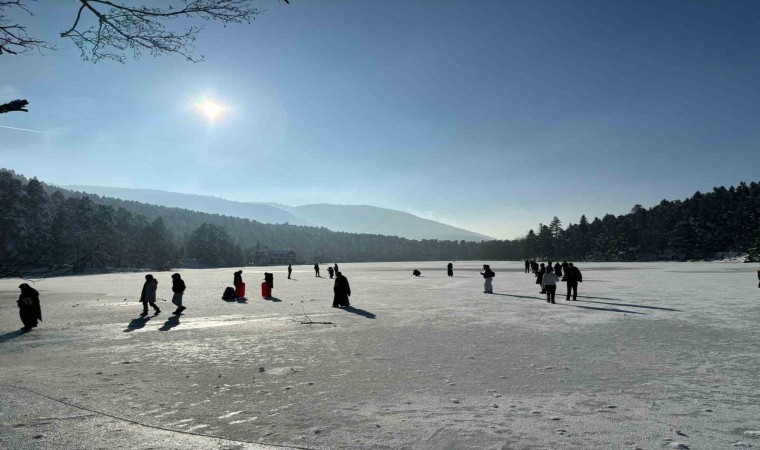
{"x":42,"y":225}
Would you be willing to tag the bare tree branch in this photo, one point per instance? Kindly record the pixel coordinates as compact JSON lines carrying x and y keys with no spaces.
{"x":125,"y":30}
{"x":15,"y":105}
{"x":13,"y":37}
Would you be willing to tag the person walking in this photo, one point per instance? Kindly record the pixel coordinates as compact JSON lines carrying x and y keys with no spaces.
{"x":290,"y":270}
{"x":488,"y":275}
{"x":342,"y":291}
{"x":316,"y":270}
{"x":178,"y":287}
{"x":527,"y":266}
{"x":540,"y":277}
{"x":148,"y":295}
{"x":549,"y":284}
{"x":330,"y":271}
{"x":572,"y":276}
{"x":450,"y":269}
{"x":29,"y":306}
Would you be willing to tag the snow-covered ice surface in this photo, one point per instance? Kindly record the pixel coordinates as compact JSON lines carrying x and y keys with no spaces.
{"x":653,"y":355}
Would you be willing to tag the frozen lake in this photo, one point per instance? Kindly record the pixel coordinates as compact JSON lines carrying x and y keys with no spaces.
{"x":652,"y":355}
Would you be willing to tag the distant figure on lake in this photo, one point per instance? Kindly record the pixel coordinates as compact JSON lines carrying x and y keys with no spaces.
{"x":534,"y":266}
{"x":290,"y":270}
{"x":450,"y":269}
{"x":342,"y":291}
{"x":178,"y":287}
{"x":330,"y":271}
{"x":416,"y":273}
{"x":29,"y":307}
{"x":558,"y":269}
{"x":336,"y":268}
{"x":316,"y":270}
{"x":572,"y":276}
{"x":148,"y":295}
{"x":237,"y":281}
{"x":488,"y":275}
{"x":549,"y":284}
{"x":269,"y":279}
{"x":540,"y":277}
{"x":527,"y":266}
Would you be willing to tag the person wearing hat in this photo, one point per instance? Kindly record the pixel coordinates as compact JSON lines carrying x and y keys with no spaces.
{"x":178,"y":287}
{"x":29,"y":307}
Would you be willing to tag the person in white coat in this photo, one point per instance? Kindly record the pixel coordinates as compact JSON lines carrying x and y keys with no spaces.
{"x":549,"y":284}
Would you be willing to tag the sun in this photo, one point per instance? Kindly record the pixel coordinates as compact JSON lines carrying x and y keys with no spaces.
{"x":211,"y":109}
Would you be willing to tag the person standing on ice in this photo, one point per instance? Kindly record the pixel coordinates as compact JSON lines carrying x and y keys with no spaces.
{"x":341,"y":290}
{"x":148,"y":295}
{"x":540,"y":277}
{"x":549,"y":284}
{"x":534,"y":267}
{"x":290,"y":270}
{"x":527,"y":266}
{"x":316,"y":270}
{"x":450,"y":269}
{"x":178,"y":287}
{"x":237,"y":279}
{"x":558,"y":269}
{"x":488,"y":275}
{"x":572,"y":276}
{"x":330,"y":271}
{"x":336,"y":269}
{"x":29,"y":307}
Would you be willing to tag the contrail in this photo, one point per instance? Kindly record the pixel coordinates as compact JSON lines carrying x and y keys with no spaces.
{"x":24,"y":129}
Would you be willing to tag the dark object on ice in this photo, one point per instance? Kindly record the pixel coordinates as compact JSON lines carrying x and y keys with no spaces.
{"x":450,"y":269}
{"x":540,"y":277}
{"x":229,"y":293}
{"x":534,"y":266}
{"x":488,"y":274}
{"x":269,"y":279}
{"x":527,"y":266}
{"x":336,"y":268}
{"x":290,"y":270}
{"x":29,"y":306}
{"x":148,"y":294}
{"x":558,"y":269}
{"x":330,"y":271}
{"x":416,"y":273}
{"x":316,"y":270}
{"x":237,"y":278}
{"x":342,"y":291}
{"x":178,"y":288}
{"x":266,"y":290}
{"x":758,"y":277}
{"x":572,"y":276}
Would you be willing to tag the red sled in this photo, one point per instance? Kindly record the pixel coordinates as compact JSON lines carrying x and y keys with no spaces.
{"x":266,"y":290}
{"x":240,"y":291}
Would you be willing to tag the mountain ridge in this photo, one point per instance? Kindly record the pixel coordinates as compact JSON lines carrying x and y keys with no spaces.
{"x":349,"y":218}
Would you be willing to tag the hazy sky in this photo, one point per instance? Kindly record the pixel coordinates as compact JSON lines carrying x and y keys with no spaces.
{"x":492,"y":116}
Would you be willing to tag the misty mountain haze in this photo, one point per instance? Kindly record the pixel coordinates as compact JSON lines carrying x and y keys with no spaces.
{"x":348,"y":218}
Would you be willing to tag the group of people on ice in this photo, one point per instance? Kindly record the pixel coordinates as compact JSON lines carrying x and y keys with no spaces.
{"x":548,"y":275}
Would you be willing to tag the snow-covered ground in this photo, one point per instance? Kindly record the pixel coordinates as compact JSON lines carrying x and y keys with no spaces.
{"x":651,"y":356}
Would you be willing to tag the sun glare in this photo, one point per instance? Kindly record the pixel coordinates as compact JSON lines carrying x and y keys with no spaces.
{"x":211,"y":109}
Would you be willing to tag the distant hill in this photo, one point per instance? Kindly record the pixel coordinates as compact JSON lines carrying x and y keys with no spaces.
{"x":348,"y":218}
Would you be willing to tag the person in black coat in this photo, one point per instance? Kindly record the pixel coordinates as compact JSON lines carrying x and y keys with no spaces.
{"x":558,"y":269}
{"x":572,"y":276}
{"x":342,"y":291}
{"x":316,"y":270}
{"x":29,"y":307}
{"x":237,"y":278}
{"x":331,"y":272}
{"x":290,"y":270}
{"x":540,"y":277}
{"x":527,"y":266}
{"x":534,"y":267}
{"x":178,"y":288}
{"x":450,"y":269}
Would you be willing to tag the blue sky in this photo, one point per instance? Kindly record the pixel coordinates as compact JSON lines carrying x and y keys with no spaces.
{"x":492,"y":116}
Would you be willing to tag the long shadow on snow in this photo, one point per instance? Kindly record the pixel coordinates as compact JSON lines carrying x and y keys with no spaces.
{"x":360,"y":312}
{"x":520,"y":296}
{"x":137,"y":323}
{"x":170,"y":323}
{"x":602,"y":309}
{"x":10,"y":335}
{"x":627,"y":304}
{"x":273,"y":299}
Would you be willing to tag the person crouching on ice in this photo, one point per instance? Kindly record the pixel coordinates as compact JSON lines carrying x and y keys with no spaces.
{"x":29,"y":306}
{"x":148,"y":295}
{"x":342,"y":291}
{"x":488,"y":274}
